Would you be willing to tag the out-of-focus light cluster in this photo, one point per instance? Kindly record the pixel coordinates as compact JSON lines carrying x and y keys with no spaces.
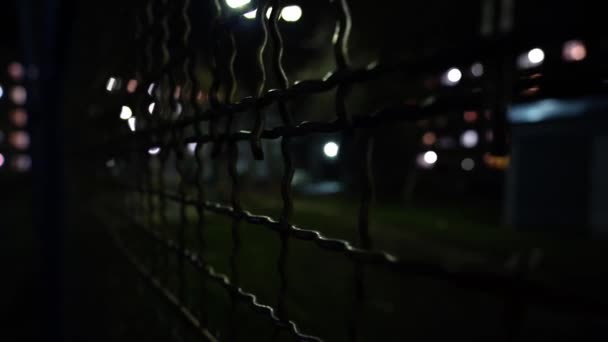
{"x":16,"y":136}
{"x":290,"y":14}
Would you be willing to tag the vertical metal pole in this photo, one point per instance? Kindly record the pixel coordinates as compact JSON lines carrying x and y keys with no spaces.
{"x":42,"y":48}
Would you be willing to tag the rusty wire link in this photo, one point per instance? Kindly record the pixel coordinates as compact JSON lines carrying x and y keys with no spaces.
{"x":288,"y":167}
{"x":260,"y":118}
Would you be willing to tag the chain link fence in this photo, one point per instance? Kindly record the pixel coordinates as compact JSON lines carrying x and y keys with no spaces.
{"x":191,"y":116}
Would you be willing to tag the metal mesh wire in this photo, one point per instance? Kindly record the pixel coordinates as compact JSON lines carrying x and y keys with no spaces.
{"x":169,"y":59}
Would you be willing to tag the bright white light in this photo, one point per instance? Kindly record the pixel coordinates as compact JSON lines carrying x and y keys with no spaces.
{"x":253,"y":14}
{"x":469,"y":138}
{"x":331,"y":149}
{"x":291,"y":13}
{"x":430,"y":157}
{"x":111,"y":84}
{"x":1,"y":92}
{"x":154,"y":151}
{"x":250,"y":15}
{"x":131,"y":123}
{"x":453,"y":76}
{"x":477,"y":69}
{"x":536,"y":56}
{"x":192,"y":147}
{"x":1,"y":160}
{"x":237,"y":3}
{"x":574,"y":51}
{"x":151,"y":108}
{"x":151,"y":89}
{"x":126,"y":113}
{"x":467,"y":164}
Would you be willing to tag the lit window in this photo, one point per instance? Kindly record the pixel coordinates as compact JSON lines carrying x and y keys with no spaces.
{"x":20,"y":140}
{"x":19,"y":117}
{"x":22,"y":163}
{"x":331,"y":149}
{"x":237,"y":3}
{"x":469,"y":138}
{"x":470,"y":116}
{"x":574,"y":51}
{"x":132,"y":86}
{"x":477,"y":70}
{"x":467,"y":164}
{"x":19,"y":95}
{"x":16,"y":71}
{"x":126,"y":113}
{"x":429,"y":138}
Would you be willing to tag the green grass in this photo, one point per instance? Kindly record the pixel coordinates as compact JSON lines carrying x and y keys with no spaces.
{"x":321,"y":283}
